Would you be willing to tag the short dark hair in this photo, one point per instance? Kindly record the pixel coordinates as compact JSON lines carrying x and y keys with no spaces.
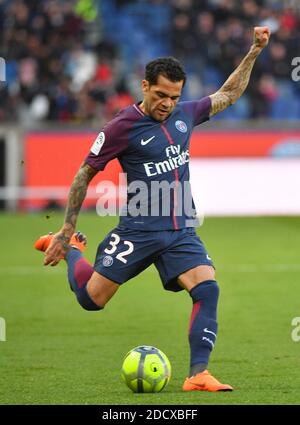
{"x":169,"y":67}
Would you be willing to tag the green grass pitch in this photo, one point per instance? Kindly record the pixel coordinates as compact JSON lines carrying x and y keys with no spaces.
{"x":57,"y":353}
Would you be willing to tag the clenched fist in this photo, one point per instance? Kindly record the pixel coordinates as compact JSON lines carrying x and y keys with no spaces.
{"x":261,"y":36}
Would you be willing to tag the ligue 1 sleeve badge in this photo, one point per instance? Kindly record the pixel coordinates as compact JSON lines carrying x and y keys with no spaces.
{"x":98,"y":143}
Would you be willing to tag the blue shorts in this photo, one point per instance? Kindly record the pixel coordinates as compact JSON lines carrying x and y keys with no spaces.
{"x":125,"y":253}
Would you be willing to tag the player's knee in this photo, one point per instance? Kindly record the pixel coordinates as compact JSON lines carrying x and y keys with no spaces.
{"x":86,"y":301}
{"x":209,"y":274}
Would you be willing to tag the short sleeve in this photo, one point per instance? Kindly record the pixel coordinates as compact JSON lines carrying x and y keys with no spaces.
{"x":109,"y":144}
{"x":198,"y":110}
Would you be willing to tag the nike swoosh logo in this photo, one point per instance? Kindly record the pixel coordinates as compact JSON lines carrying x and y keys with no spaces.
{"x":199,"y":385}
{"x":209,"y":332}
{"x":204,"y":338}
{"x":145,"y":142}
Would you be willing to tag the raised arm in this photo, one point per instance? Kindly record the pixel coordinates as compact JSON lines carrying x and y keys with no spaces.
{"x":237,"y":82}
{"x":60,"y":242}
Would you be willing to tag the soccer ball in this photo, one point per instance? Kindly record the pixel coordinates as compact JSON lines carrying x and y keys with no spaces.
{"x":146,"y":369}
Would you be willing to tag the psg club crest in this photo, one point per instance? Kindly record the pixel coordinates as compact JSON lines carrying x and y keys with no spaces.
{"x":107,"y":261}
{"x":181,"y":126}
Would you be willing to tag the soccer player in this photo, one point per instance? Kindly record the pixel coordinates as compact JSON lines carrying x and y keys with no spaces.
{"x":151,"y":140}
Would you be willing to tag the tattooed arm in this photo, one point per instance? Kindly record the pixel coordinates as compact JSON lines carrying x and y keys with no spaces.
{"x":237,"y":82}
{"x":60,"y":242}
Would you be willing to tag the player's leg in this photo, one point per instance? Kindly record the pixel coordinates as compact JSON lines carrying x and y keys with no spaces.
{"x":196,"y":274}
{"x":187,"y":265}
{"x":201,"y":284}
{"x":204,"y":291}
{"x":101,"y":289}
{"x":92,"y":290}
{"x":120,"y":256}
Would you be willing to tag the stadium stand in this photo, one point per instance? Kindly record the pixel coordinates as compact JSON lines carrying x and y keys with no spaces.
{"x":81,"y":61}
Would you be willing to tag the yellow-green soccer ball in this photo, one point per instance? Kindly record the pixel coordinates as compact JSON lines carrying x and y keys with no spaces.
{"x":146,"y":369}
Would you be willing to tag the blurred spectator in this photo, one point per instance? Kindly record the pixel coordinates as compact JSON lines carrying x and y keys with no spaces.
{"x":81,"y":60}
{"x":263,"y":94}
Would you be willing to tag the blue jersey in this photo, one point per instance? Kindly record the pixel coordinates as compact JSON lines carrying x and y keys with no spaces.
{"x":155,"y":156}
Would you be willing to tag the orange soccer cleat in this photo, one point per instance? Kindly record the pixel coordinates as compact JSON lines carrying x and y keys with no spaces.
{"x":78,"y":240}
{"x":204,"y":381}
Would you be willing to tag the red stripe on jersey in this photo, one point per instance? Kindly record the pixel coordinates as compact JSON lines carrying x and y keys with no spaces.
{"x":170,"y":140}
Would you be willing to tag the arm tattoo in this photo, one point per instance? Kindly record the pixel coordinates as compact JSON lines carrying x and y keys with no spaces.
{"x":219,"y":102}
{"x":64,"y":241}
{"x":236,"y":84}
{"x":76,"y":196}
